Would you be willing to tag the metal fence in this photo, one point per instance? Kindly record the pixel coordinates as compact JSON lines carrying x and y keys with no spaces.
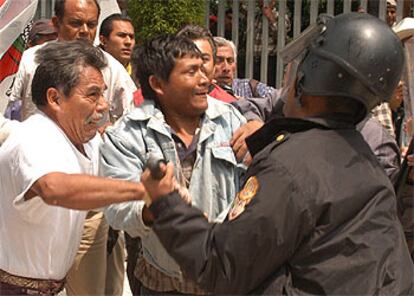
{"x":245,"y":10}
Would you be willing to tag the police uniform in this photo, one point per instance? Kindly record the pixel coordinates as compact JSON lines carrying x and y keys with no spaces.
{"x":317,"y":215}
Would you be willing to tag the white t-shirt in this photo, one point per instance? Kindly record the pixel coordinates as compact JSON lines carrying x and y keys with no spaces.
{"x":6,"y":127}
{"x":38,"y":240}
{"x":119,"y":92}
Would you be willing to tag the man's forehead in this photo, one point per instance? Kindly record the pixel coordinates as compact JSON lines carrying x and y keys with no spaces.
{"x":122,"y":25}
{"x":78,"y":7}
{"x":225,"y":51}
{"x":188,"y":60}
{"x":203,"y":45}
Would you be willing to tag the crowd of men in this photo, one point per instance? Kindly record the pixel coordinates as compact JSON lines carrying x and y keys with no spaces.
{"x":261,"y":190}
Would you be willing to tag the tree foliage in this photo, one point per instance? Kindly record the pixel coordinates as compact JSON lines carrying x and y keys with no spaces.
{"x":154,"y":17}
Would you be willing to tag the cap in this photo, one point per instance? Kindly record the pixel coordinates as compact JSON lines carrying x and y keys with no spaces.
{"x":404,"y":28}
{"x":41,"y":27}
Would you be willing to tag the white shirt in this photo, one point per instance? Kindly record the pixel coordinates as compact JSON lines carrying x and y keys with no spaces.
{"x":38,"y":240}
{"x":119,"y":92}
{"x":6,"y":127}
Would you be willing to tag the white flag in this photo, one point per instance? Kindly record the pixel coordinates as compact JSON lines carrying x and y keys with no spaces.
{"x":14,"y":16}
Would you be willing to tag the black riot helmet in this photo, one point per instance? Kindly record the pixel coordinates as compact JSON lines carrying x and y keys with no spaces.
{"x":352,"y":55}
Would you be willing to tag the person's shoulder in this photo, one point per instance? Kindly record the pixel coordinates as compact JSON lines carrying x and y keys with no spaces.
{"x":134,"y":121}
{"x":28,"y":57}
{"x":220,"y":94}
{"x":112,"y":62}
{"x":219,"y":109}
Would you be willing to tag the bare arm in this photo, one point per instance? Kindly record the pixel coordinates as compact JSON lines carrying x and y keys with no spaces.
{"x":84,"y":192}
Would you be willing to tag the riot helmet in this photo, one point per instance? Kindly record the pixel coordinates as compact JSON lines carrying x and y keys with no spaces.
{"x":352,"y":55}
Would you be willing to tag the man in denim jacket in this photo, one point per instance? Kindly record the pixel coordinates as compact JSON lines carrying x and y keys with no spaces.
{"x":179,"y":122}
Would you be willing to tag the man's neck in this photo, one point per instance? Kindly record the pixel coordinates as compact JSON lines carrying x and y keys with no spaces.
{"x":184,"y":127}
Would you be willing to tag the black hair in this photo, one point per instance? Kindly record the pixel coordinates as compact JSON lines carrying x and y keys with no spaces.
{"x":107,"y":24}
{"x":157,"y":57}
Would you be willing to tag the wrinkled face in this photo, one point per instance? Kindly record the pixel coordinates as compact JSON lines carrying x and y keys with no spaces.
{"x":185,"y":93}
{"x":225,"y":66}
{"x":80,"y":114}
{"x":121,"y":41}
{"x":80,"y":21}
{"x":207,"y":55}
{"x":391,"y":14}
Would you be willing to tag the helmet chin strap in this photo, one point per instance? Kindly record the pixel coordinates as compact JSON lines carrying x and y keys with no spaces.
{"x":299,"y":88}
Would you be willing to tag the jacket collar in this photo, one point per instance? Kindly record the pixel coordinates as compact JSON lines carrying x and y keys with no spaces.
{"x":265,"y":135}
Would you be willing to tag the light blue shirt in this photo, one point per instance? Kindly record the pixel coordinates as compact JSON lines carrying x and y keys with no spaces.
{"x":215,"y":178}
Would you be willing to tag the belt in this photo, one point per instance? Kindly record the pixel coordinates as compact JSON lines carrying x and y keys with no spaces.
{"x":40,"y":285}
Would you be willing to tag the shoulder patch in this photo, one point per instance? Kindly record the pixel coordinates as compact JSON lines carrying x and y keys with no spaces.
{"x":244,"y":197}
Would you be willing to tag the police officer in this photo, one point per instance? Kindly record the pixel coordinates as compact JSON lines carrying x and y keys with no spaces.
{"x":317,"y":214}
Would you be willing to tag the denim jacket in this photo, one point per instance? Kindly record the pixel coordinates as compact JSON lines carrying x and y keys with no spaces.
{"x":215,"y":177}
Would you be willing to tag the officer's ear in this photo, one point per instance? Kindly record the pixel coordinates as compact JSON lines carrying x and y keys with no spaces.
{"x":157,"y":85}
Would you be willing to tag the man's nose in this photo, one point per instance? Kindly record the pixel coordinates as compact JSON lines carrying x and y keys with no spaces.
{"x":103,"y":105}
{"x":226,"y":66}
{"x":84,"y":29}
{"x":203,"y":78}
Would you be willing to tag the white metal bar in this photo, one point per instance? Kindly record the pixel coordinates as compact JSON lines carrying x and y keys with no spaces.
{"x":364,"y":5}
{"x":265,"y":47}
{"x":400,"y":8}
{"x":43,"y":9}
{"x":235,"y":23}
{"x":220,"y":17}
{"x":314,"y":11}
{"x":207,"y":13}
{"x":330,"y":7}
{"x":347,"y":5}
{"x":235,"y":26}
{"x":53,"y":8}
{"x":250,"y":38}
{"x":297,"y":18}
{"x":382,"y":9}
{"x":281,"y":34}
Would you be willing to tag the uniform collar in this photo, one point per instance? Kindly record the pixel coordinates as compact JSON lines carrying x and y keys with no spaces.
{"x":278,"y":125}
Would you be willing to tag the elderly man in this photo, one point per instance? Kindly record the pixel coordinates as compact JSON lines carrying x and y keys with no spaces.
{"x":180,"y":122}
{"x":317,"y":214}
{"x":225,"y":72}
{"x":47,"y":163}
{"x":78,"y":20}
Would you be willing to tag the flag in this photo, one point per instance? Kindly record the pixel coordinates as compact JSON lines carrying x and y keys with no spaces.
{"x":14,"y":18}
{"x":108,"y":7}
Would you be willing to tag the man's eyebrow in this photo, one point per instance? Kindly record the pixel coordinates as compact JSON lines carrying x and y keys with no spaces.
{"x":96,"y":88}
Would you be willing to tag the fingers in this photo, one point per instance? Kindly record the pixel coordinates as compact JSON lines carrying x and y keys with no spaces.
{"x":238,"y":142}
{"x":241,"y":151}
{"x":248,"y":159}
{"x":162,"y":187}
